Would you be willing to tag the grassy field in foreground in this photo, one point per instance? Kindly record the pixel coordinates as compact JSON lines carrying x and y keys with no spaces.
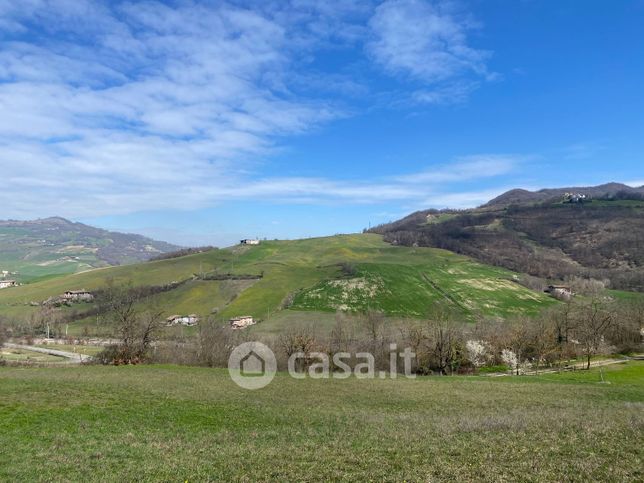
{"x":188,"y":424}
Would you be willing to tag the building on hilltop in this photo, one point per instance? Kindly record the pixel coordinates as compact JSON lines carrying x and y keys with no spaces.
{"x":8,"y":283}
{"x":249,"y":241}
{"x":574,"y":197}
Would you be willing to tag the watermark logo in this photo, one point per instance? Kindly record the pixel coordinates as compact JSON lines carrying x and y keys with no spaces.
{"x":252,"y":365}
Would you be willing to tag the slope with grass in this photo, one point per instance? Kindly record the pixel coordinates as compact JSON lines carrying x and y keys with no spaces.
{"x":33,"y":250}
{"x":308,"y":275}
{"x":166,"y":423}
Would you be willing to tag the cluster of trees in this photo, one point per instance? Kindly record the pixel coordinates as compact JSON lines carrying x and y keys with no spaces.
{"x":580,"y":328}
{"x":575,"y":331}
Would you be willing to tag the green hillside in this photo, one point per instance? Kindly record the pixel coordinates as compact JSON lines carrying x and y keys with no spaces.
{"x":346,"y":272}
{"x":34,"y":250}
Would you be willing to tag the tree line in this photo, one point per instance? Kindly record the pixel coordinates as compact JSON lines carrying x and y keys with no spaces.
{"x":572,"y":332}
{"x":580,"y":328}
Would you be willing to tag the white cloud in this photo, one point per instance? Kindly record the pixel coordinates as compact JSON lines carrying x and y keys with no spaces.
{"x":113,"y":108}
{"x":461,"y":200}
{"x":149,"y":100}
{"x":469,"y":167}
{"x":426,"y":41}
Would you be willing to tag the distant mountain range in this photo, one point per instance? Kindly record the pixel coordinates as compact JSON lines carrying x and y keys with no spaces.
{"x":52,"y":246}
{"x":542,"y":233}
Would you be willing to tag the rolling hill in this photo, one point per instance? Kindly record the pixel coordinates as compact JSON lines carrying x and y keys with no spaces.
{"x":281,"y":279}
{"x":540,"y":234}
{"x":30,"y":250}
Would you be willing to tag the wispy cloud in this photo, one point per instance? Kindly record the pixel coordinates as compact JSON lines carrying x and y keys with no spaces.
{"x":469,"y":167}
{"x":148,"y":100}
{"x":582,"y":150}
{"x":427,"y":41}
{"x":112,"y":108}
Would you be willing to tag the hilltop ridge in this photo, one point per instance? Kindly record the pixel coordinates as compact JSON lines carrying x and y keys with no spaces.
{"x":606,"y":190}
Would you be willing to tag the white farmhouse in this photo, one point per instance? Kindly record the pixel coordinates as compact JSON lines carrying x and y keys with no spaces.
{"x":8,"y":283}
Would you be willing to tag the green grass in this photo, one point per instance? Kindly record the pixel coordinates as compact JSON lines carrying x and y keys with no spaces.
{"x":193,"y":424}
{"x":626,"y":296}
{"x":87,"y":350}
{"x":627,"y":203}
{"x":21,"y":355}
{"x":412,"y":280}
{"x":627,"y":373}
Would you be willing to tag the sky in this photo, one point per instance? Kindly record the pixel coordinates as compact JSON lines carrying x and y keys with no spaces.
{"x":203,"y":122}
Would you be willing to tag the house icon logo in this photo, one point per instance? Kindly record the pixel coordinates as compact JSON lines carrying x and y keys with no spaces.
{"x":252,"y":365}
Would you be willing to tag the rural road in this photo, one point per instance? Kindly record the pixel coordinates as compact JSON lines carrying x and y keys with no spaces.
{"x":71,"y":357}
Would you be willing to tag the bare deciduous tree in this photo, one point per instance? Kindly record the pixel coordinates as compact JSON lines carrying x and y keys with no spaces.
{"x":444,"y":341}
{"x":563,"y":322}
{"x":626,"y":333}
{"x":542,"y":340}
{"x":3,"y":331}
{"x":135,"y":329}
{"x":593,"y":324}
{"x":215,"y":344}
{"x":298,"y":341}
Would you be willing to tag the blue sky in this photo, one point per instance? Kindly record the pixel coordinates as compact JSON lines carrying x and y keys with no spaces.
{"x":205,"y":122}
